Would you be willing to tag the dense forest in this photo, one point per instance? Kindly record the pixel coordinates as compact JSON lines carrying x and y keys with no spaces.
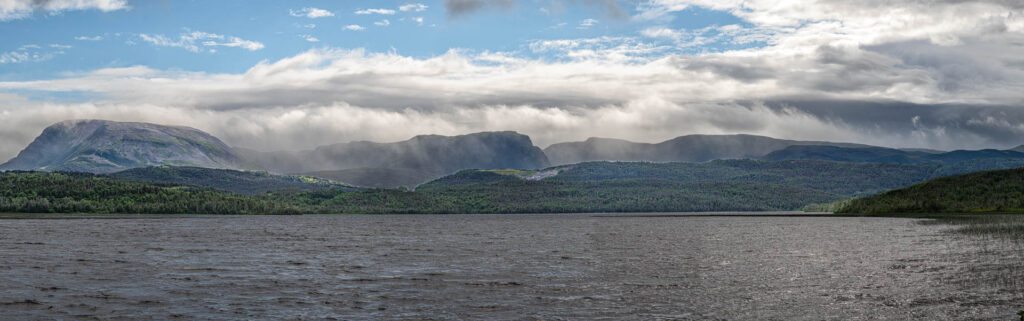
{"x":523,"y":196}
{"x":39,"y":192}
{"x":241,"y":182}
{"x":987,"y":191}
{"x":724,"y":185}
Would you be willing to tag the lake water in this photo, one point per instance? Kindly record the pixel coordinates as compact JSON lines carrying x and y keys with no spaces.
{"x":503,"y":267}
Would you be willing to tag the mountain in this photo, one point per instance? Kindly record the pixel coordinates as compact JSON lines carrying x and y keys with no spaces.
{"x":407,"y":162}
{"x":100,"y":146}
{"x":720,"y":185}
{"x":690,"y":148}
{"x":987,"y":191}
{"x":239,"y":182}
{"x":887,"y":155}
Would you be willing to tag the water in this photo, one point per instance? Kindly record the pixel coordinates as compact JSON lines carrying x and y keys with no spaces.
{"x":501,"y":267}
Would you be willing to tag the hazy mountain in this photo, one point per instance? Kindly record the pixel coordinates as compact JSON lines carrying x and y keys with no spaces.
{"x":241,"y":182}
{"x":100,"y":146}
{"x":690,"y":148}
{"x":417,"y":160}
{"x":887,"y":155}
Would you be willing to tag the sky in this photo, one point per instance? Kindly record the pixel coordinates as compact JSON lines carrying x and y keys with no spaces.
{"x":285,"y":75}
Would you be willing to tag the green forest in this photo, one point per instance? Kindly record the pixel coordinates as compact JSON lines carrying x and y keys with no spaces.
{"x":725,"y":185}
{"x":998,"y":191}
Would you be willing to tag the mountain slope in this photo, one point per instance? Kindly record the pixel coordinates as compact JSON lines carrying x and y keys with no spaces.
{"x":887,"y":155}
{"x":99,"y":146}
{"x":690,"y":148}
{"x":997,"y":190}
{"x":240,"y":182}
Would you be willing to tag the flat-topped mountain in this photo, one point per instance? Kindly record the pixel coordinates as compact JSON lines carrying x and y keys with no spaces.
{"x":408,"y":162}
{"x":101,"y":146}
{"x":690,"y":148}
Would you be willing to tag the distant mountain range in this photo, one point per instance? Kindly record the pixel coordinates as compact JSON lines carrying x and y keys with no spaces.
{"x":690,"y":148}
{"x":98,"y":146}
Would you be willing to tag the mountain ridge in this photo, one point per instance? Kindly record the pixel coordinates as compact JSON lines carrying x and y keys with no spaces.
{"x":101,"y":146}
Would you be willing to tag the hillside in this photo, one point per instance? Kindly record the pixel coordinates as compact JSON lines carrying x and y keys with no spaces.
{"x":887,"y":155}
{"x":524,"y":196}
{"x":42,"y":192}
{"x":376,"y":177}
{"x":100,"y":146}
{"x":987,"y":191}
{"x":839,"y":178}
{"x":240,"y":182}
{"x":724,"y":185}
{"x":690,"y":148}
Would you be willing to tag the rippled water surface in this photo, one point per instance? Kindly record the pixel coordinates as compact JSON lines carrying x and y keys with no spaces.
{"x":503,"y":267}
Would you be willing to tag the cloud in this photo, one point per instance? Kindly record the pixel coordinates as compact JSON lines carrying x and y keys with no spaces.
{"x":383,"y":23}
{"x":86,"y":38}
{"x":196,"y":41}
{"x":32,"y":53}
{"x":20,"y":9}
{"x":417,"y":7}
{"x":309,"y":38}
{"x":354,"y":28}
{"x":376,"y":11}
{"x":311,"y":13}
{"x":456,"y":8}
{"x":587,"y":23}
{"x":935,"y":74}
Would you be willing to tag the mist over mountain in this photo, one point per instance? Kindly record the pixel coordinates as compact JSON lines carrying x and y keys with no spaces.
{"x":100,"y":146}
{"x":690,"y":148}
{"x":425,"y":156}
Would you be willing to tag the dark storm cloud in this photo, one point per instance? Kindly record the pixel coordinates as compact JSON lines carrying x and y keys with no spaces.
{"x":1000,"y":126}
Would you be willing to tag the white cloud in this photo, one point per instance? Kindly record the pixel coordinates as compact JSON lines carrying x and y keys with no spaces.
{"x":610,"y":87}
{"x":86,"y":38}
{"x":311,"y":13}
{"x":587,"y":23}
{"x":818,"y":71}
{"x":309,"y":38}
{"x":376,"y":11}
{"x":417,"y":7}
{"x":418,"y":20}
{"x":20,"y":9}
{"x":32,"y":53}
{"x":196,"y":41}
{"x":383,"y":23}
{"x":354,"y":28}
